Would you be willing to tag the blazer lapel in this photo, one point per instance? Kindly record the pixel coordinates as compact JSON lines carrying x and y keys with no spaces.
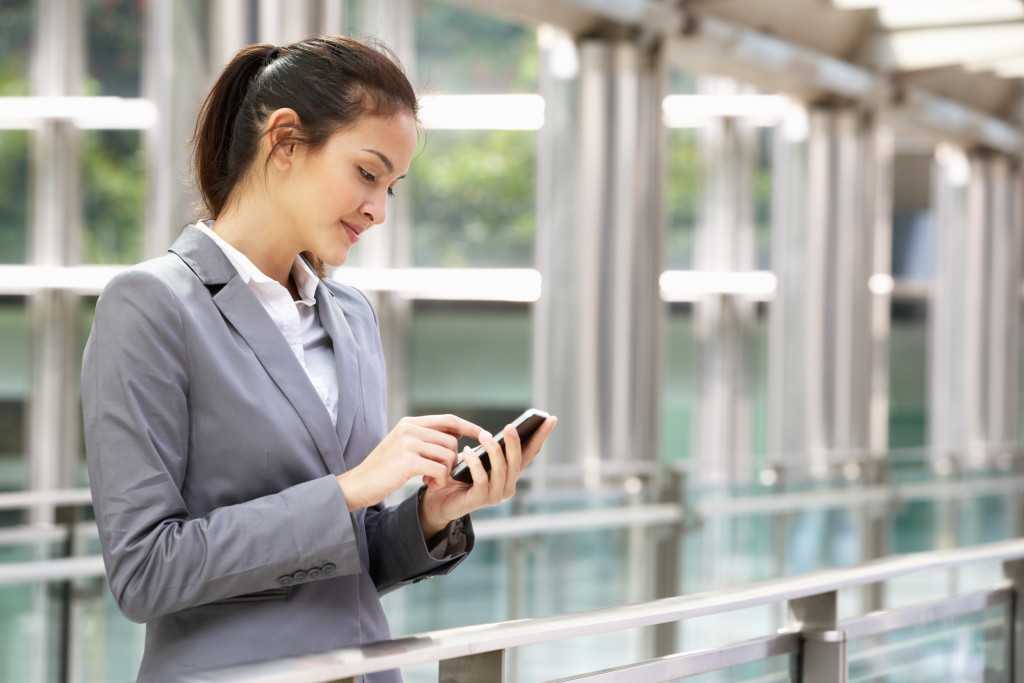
{"x":332,"y":317}
{"x":240,"y":307}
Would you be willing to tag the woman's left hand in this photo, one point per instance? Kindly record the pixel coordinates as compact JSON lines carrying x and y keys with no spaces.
{"x":446,"y":500}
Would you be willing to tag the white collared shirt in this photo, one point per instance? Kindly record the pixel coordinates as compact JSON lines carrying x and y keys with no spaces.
{"x":297,"y":320}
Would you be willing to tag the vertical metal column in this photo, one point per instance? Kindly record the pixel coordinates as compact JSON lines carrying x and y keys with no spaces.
{"x":596,"y":322}
{"x":724,"y":242}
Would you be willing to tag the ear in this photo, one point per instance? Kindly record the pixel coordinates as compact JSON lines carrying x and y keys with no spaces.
{"x":282,"y":124}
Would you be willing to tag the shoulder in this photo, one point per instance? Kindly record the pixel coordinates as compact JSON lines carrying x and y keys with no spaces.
{"x":156,"y":285}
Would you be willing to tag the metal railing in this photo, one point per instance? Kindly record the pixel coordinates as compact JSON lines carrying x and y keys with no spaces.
{"x":659,"y":527}
{"x":815,"y":637}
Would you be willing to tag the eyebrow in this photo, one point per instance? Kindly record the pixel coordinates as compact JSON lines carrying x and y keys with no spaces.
{"x":387,"y":162}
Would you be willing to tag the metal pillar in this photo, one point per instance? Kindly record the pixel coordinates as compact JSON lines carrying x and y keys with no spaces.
{"x":724,"y":242}
{"x":596,"y":324}
{"x":975,"y":334}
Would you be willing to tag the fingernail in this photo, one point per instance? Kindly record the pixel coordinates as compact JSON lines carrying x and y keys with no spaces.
{"x":485,"y":436}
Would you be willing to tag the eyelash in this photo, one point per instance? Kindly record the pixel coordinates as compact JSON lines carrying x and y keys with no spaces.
{"x":369,"y":177}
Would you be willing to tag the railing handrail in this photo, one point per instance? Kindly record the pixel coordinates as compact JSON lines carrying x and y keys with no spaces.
{"x":473,"y":640}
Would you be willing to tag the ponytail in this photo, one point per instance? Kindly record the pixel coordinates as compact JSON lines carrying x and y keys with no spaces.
{"x":218,"y":141}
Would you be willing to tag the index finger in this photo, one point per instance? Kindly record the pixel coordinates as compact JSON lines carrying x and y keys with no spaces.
{"x":449,"y":424}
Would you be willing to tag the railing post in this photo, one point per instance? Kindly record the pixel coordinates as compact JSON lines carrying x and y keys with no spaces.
{"x":823,"y":654}
{"x":485,"y":667}
{"x":1014,"y":573}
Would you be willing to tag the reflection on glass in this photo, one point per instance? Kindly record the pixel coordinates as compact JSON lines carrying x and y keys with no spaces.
{"x":682,"y":196}
{"x":473,"y":198}
{"x":470,"y":359}
{"x":86,"y":314}
{"x":971,"y":647}
{"x":15,"y":390}
{"x":14,"y":194}
{"x":114,"y":193}
{"x":459,"y":51}
{"x":763,"y":199}
{"x":114,"y":35}
{"x":913,"y":231}
{"x":679,"y":386}
{"x":908,"y":345}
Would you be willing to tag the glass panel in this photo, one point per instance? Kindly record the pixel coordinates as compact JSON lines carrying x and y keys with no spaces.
{"x":763,"y":199}
{"x":966,"y":648}
{"x":459,"y":51}
{"x":16,"y":29}
{"x":14,"y":195}
{"x":32,"y":621}
{"x":772,"y":670}
{"x":682,"y":196}
{"x":470,"y":359}
{"x":678,"y":395}
{"x":908,"y":373}
{"x":913,"y":233}
{"x":114,"y":35}
{"x":15,"y":391}
{"x":473,"y":198}
{"x":114,"y":191}
{"x":86,"y":315}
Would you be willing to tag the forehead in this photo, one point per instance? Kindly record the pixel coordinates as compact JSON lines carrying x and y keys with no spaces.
{"x":394,"y":137}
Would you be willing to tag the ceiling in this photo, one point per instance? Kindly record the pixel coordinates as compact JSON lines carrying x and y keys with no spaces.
{"x":956,"y":62}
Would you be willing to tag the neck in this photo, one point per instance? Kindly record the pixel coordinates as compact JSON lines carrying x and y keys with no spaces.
{"x":255,"y":231}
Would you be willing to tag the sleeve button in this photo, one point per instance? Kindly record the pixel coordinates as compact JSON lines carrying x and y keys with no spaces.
{"x":314,"y":573}
{"x":285,"y":580}
{"x":299,"y":575}
{"x":328,"y":570}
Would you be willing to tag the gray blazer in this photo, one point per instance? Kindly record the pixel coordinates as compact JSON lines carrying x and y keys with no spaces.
{"x":212,"y":463}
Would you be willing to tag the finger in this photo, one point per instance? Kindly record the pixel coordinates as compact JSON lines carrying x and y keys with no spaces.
{"x":449,"y":424}
{"x":410,"y":428}
{"x":499,"y":471}
{"x":513,"y":461}
{"x":476,"y":468}
{"x":533,"y":446}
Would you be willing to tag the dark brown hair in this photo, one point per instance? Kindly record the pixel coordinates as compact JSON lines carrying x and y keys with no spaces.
{"x":330,"y":82}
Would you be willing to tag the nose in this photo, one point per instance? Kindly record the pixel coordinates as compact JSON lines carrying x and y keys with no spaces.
{"x":374,"y":208}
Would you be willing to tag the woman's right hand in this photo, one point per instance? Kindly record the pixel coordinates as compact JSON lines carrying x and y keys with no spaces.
{"x":417,"y":446}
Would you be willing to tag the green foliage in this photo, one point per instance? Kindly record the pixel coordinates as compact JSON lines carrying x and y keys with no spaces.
{"x":682,"y":197}
{"x":114,"y":32}
{"x":462,"y":51}
{"x":473,"y":195}
{"x":15,"y":46}
{"x":14,"y":193}
{"x":114,"y":193}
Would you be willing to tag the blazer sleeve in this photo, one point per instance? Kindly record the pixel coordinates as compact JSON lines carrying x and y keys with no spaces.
{"x":398,"y":552}
{"x":136,"y":404}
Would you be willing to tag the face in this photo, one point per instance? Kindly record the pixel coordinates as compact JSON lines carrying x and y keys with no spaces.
{"x":340,"y":190}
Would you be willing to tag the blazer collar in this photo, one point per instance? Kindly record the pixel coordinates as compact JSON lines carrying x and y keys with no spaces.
{"x":244,"y":312}
{"x":332,"y":317}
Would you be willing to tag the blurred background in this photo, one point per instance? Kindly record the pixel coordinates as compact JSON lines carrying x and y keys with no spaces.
{"x":763,"y":259}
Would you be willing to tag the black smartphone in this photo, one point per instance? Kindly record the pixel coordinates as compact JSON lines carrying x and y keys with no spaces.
{"x":526,"y":424}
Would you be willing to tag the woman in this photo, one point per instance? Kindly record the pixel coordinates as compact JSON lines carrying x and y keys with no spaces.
{"x":234,"y":399}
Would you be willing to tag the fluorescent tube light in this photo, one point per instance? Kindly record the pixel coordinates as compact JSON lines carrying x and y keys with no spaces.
{"x":693,"y":111}
{"x":21,"y":113}
{"x":906,"y":15}
{"x":482,"y":112}
{"x":692,"y":285}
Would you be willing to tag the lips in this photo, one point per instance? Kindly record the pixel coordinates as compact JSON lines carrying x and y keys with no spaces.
{"x":353,"y":231}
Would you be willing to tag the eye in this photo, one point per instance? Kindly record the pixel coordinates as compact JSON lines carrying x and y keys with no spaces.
{"x":369,"y":177}
{"x":391,"y":192}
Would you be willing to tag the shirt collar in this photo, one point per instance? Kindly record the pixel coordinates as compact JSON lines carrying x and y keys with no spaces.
{"x":305,"y":279}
